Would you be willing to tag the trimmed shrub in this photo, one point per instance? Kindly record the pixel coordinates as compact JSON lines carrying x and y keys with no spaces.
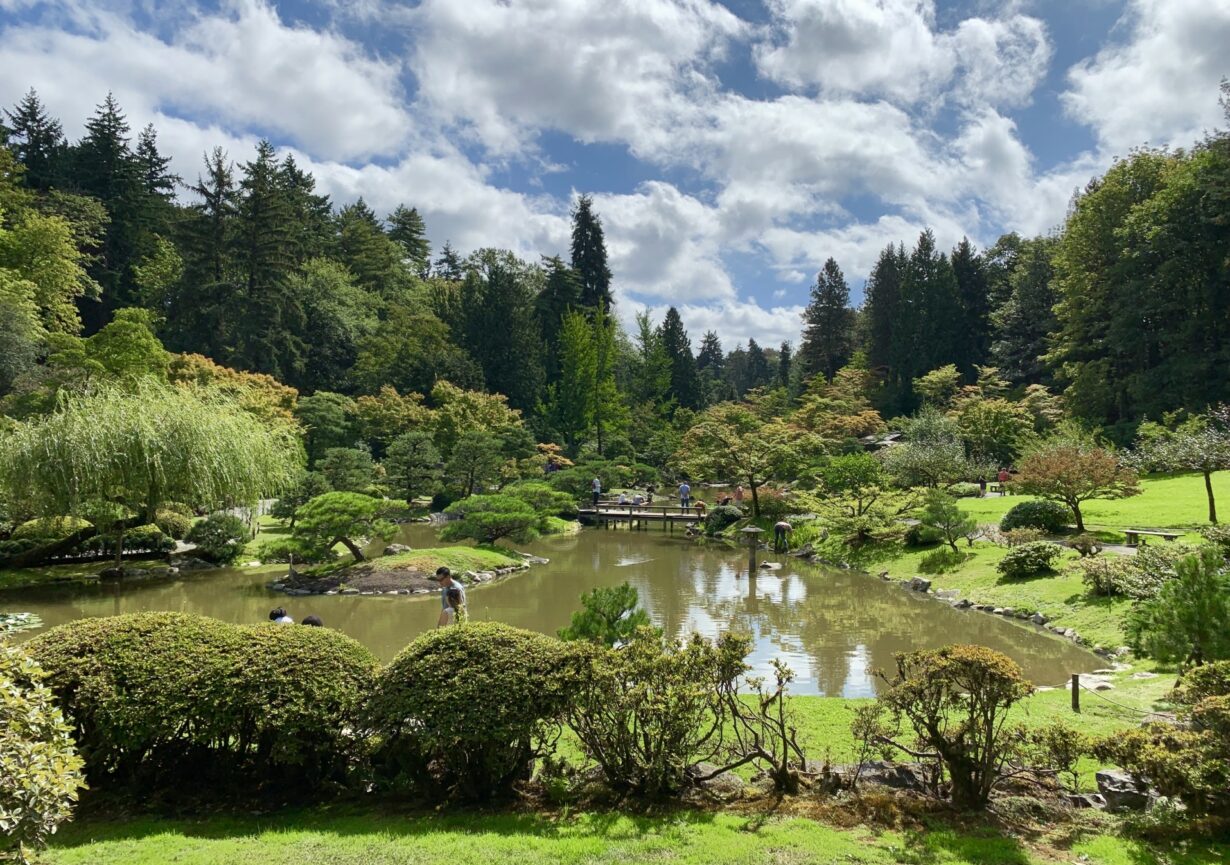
{"x":486,"y":519}
{"x":13,"y":548}
{"x":173,"y":525}
{"x":955,"y":700}
{"x":142,"y":539}
{"x":48,"y":529}
{"x":464,"y":711}
{"x":544,"y":499}
{"x":1029,"y":560}
{"x":648,"y":711}
{"x":920,"y":535}
{"x":1050,"y":517}
{"x":40,"y":772}
{"x":1140,"y":576}
{"x":179,"y":508}
{"x":964,"y":491}
{"x":1086,"y":544}
{"x":285,"y":550}
{"x":220,"y":537}
{"x":722,"y":517}
{"x":156,"y":698}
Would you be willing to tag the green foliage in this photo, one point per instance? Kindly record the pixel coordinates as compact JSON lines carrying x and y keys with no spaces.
{"x":173,"y":525}
{"x":941,"y":513}
{"x":1060,"y":747}
{"x":933,"y":454}
{"x":40,"y":772}
{"x":306,"y":487}
{"x":646,"y":712}
{"x":412,"y":464}
{"x":828,"y":323}
{"x":1050,"y":517}
{"x":48,"y":528}
{"x":939,"y":561}
{"x":348,"y":469}
{"x":543,"y":498}
{"x":1189,"y":760}
{"x":489,"y":518}
{"x":1086,"y":544}
{"x":1185,"y":623}
{"x":139,"y":539}
{"x":609,"y":617}
{"x":1069,"y":467}
{"x":956,"y":700}
{"x":721,"y":517}
{"x":1139,"y":576}
{"x":157,"y":697}
{"x":341,"y":518}
{"x":856,"y":502}
{"x":220,"y":537}
{"x":1029,"y":560}
{"x":464,"y":710}
{"x":475,"y":462}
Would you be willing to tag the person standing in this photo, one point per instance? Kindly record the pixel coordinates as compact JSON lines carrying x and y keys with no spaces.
{"x":444,"y":577}
{"x":454,"y":612}
{"x":685,"y":495}
{"x":596,"y":486}
{"x":781,"y":531}
{"x":739,"y":496}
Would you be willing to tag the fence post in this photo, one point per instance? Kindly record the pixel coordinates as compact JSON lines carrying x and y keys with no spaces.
{"x":1076,"y":692}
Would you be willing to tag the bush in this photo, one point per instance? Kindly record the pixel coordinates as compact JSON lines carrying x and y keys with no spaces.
{"x":487,"y":519}
{"x":1218,"y":536}
{"x":1050,"y":517}
{"x":1186,"y":622}
{"x":40,"y":772}
{"x":721,"y":517}
{"x":286,"y":550}
{"x":775,"y":504}
{"x":220,"y":537}
{"x":178,"y":508}
{"x":964,"y":491}
{"x":544,"y":499}
{"x":1020,"y":537}
{"x":142,"y":539}
{"x":14,"y":548}
{"x":172,"y":524}
{"x":1086,"y":544}
{"x":1189,"y":761}
{"x":920,"y":535}
{"x":648,"y":711}
{"x":157,"y":698}
{"x":609,"y":616}
{"x":939,"y":561}
{"x":1140,"y":576}
{"x":464,"y":711}
{"x":48,"y":529}
{"x":1029,"y":560}
{"x":955,"y":700}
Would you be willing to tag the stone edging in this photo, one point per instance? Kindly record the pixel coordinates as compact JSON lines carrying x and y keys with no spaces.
{"x":469,"y":578}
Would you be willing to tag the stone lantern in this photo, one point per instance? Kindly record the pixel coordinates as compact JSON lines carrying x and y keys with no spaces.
{"x":753,"y":541}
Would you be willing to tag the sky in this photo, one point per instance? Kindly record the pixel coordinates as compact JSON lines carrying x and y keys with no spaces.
{"x":730,"y":147}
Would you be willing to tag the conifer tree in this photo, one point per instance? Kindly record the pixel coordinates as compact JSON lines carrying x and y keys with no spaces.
{"x":711,"y":367}
{"x":973,"y":291}
{"x":407,"y":228}
{"x":883,"y":297}
{"x":758,"y":372}
{"x":448,"y":265}
{"x":37,"y":140}
{"x":685,"y":383}
{"x":589,"y":255}
{"x":828,"y":323}
{"x":561,"y":292}
{"x":785,"y":362}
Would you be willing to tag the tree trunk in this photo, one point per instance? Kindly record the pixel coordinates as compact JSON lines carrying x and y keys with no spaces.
{"x":354,"y":549}
{"x":1076,"y":512}
{"x":1208,"y":488}
{"x":119,"y":548}
{"x":755,"y":498}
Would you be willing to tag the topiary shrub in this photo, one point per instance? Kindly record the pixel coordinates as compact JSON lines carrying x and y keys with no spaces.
{"x":955,"y":701}
{"x":1029,"y":560}
{"x":647,"y":712}
{"x":463,"y":711}
{"x":487,"y":519}
{"x":173,"y":525}
{"x":288,"y":550}
{"x":40,"y":772}
{"x":178,"y":508}
{"x":964,"y":491}
{"x":48,"y":529}
{"x":544,"y":499}
{"x":142,"y":539}
{"x":159,"y":697}
{"x":1050,"y":517}
{"x":1190,"y":760}
{"x":721,"y":517}
{"x":220,"y":537}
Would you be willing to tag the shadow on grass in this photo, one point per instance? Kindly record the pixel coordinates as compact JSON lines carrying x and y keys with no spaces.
{"x":984,"y":846}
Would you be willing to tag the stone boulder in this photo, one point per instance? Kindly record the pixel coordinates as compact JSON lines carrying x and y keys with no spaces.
{"x":918,"y":584}
{"x":395,"y":549}
{"x":1121,"y":791}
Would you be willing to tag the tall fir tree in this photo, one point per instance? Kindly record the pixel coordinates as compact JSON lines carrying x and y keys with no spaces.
{"x":758,"y":371}
{"x":448,"y":265}
{"x":828,"y":323}
{"x":930,"y":288}
{"x":883,"y":297}
{"x":375,"y":260}
{"x":973,"y":292}
{"x":785,"y":365}
{"x":560,"y":293}
{"x":37,"y":139}
{"x":589,"y":255}
{"x":407,"y":228}
{"x":685,"y":383}
{"x":711,"y":366}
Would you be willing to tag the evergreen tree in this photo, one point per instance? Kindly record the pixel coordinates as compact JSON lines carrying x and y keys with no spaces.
{"x":828,"y":323}
{"x":651,"y":378}
{"x":589,"y":255}
{"x":685,"y":383}
{"x":572,"y":396}
{"x":1025,"y":321}
{"x":758,"y":372}
{"x":407,"y":228}
{"x":37,"y":140}
{"x":374,"y":259}
{"x":560,"y":292}
{"x":448,"y":265}
{"x":883,"y":297}
{"x":311,"y":224}
{"x":930,"y":289}
{"x":785,"y":362}
{"x":711,"y":366}
{"x":153,"y":168}
{"x":973,"y":291}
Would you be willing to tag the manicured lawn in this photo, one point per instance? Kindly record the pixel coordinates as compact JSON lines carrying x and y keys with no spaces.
{"x":684,"y":838}
{"x":13,"y":578}
{"x":459,"y":558}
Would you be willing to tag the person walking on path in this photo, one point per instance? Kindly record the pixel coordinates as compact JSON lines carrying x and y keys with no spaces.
{"x":781,"y":531}
{"x":444,"y":577}
{"x":596,"y":486}
{"x":454,"y":612}
{"x":685,"y":495}
{"x":739,"y":496}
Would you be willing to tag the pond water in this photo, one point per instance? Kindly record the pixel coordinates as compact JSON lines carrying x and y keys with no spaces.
{"x":833,"y":627}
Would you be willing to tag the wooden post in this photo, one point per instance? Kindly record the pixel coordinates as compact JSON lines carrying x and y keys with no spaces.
{"x":1076,"y":692}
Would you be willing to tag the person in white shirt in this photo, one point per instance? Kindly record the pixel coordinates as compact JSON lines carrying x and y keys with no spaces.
{"x":279,"y":617}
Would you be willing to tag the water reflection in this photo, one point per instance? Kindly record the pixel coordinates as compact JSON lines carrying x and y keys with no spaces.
{"x":834,"y":628}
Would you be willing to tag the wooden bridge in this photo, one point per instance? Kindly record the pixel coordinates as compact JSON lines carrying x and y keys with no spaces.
{"x":609,"y":513}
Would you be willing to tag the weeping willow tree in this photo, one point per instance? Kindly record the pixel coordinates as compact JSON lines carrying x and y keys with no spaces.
{"x":114,"y":455}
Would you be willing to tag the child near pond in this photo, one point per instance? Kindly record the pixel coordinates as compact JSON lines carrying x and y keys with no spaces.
{"x":455,"y":612}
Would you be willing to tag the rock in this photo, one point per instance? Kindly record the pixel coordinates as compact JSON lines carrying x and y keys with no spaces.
{"x":918,"y":584}
{"x":1038,"y":619}
{"x":1121,"y":790}
{"x":189,"y":563}
{"x":1104,"y":672}
{"x":331,"y":591}
{"x":172,"y":571}
{"x":1086,"y":800}
{"x":962,"y":604}
{"x":349,"y":592}
{"x":1008,"y":613}
{"x":884,"y":575}
{"x":111,"y":573}
{"x":726,"y":785}
{"x":946,"y":594}
{"x":804,"y":551}
{"x":895,"y":776}
{"x":770,"y":566}
{"x":422,"y":591}
{"x":1144,"y":674}
{"x":535,"y":560}
{"x":277,"y":587}
{"x":998,"y":611}
{"x":1103,"y":686}
{"x":396,"y":549}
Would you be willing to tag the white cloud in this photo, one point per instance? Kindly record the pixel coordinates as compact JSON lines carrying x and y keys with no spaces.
{"x":1161,"y":85}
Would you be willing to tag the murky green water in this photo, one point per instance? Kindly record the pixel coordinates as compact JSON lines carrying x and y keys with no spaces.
{"x":833,"y":627}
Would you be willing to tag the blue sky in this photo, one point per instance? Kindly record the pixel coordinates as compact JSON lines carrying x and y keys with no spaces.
{"x":731,"y":147}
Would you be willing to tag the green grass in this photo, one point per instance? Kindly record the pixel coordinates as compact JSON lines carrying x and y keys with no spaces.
{"x":459,"y":558}
{"x":340,"y":837}
{"x":15,"y":578}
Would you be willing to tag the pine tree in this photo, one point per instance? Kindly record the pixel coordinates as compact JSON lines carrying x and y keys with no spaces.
{"x":571,"y":409}
{"x":38,"y":142}
{"x":153,"y":168}
{"x":785,"y":361}
{"x":589,"y":255}
{"x":758,"y":372}
{"x":407,"y":228}
{"x":711,"y":366}
{"x":311,"y":226}
{"x":375,"y":260}
{"x":828,"y":323}
{"x":560,"y":293}
{"x":931,"y":285}
{"x":1024,"y":323}
{"x":448,"y":265}
{"x":651,"y":378}
{"x":973,"y":292}
{"x":883,"y":296}
{"x":685,"y":383}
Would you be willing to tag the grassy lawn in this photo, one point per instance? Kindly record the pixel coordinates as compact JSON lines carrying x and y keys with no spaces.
{"x":13,"y":578}
{"x":682,"y":838}
{"x":459,"y":558}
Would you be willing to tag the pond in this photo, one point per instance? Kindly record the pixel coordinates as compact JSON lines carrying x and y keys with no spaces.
{"x":833,"y":627}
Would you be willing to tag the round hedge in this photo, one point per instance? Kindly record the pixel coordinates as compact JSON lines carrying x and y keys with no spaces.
{"x":1048,"y":516}
{"x":173,"y":524}
{"x":48,"y":529}
{"x":156,"y":697}
{"x":461,"y":710}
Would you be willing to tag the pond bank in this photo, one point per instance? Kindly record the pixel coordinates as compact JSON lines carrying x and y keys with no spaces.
{"x":407,"y":572}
